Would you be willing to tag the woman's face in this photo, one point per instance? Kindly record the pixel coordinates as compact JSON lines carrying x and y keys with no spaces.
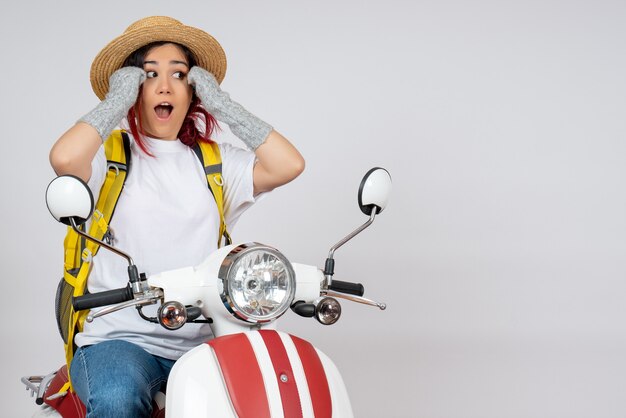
{"x":165,"y":95}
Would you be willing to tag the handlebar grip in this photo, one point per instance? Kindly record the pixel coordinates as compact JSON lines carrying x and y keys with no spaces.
{"x":108,"y":297}
{"x":350,"y":288}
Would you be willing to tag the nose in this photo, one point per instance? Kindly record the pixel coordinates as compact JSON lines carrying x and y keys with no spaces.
{"x":163,"y":86}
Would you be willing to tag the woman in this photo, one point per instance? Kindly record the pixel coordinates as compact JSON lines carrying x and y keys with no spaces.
{"x":163,"y":77}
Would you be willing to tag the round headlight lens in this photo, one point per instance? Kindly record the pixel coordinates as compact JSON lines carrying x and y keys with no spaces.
{"x":258,"y":283}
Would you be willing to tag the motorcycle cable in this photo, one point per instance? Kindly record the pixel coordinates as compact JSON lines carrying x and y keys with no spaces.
{"x":191,"y":312}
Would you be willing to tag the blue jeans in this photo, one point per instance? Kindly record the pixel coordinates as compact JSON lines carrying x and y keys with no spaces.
{"x":117,"y":379}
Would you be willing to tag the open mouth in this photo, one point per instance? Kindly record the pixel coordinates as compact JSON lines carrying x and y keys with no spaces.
{"x":163,"y":110}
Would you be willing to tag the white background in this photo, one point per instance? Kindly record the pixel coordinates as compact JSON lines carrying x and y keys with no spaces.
{"x":502,"y":253}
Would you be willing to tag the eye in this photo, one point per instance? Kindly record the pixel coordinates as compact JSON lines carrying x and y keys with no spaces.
{"x":151,"y":74}
{"x":179,"y":74}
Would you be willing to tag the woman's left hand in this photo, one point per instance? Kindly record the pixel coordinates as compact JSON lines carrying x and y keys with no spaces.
{"x":207,"y":89}
{"x":247,"y":127}
{"x":278,"y":161}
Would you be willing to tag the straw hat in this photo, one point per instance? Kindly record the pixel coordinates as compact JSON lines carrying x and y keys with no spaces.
{"x":207,"y":51}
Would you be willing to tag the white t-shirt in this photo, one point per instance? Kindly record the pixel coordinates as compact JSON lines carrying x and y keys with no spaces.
{"x":165,"y":218}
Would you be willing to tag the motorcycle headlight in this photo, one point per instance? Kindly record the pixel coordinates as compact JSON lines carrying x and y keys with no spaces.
{"x":258,"y":283}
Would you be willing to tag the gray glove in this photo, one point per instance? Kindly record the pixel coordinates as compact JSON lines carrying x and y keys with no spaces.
{"x":247,"y":127}
{"x":123,"y":89}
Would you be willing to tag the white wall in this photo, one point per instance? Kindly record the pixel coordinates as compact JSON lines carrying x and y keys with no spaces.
{"x":502,"y":252}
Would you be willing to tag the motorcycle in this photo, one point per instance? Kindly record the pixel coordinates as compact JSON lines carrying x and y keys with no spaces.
{"x":250,"y":369}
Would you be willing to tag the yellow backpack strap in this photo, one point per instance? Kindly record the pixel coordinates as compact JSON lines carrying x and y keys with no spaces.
{"x":78,"y":251}
{"x":209,"y":155}
{"x":117,"y":151}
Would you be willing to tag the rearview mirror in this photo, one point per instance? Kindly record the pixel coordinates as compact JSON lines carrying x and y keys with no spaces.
{"x":69,"y":197}
{"x":374,"y":193}
{"x":374,"y":190}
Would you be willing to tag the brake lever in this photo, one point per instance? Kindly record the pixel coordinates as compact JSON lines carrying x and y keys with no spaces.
{"x":148,"y":297}
{"x":359,"y":299}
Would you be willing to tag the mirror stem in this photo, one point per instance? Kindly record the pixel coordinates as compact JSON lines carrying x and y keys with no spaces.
{"x":101,"y":243}
{"x":329,"y":269}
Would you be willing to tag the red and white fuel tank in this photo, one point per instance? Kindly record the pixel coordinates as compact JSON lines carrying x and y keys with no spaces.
{"x":256,"y":374}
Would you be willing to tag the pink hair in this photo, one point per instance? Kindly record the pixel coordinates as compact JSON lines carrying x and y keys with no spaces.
{"x":188,"y":134}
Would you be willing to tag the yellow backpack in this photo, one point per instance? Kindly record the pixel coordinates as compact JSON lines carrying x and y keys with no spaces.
{"x":79,"y":252}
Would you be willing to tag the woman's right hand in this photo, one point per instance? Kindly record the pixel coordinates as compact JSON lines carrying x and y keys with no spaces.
{"x":74,"y":151}
{"x":124,"y":86}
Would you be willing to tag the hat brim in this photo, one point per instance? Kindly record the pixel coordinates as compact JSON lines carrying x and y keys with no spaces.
{"x":206,"y":50}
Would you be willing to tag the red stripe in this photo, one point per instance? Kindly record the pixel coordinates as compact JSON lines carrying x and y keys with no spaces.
{"x":282,"y":367}
{"x":69,"y":405}
{"x":242,"y":375}
{"x":315,"y":378}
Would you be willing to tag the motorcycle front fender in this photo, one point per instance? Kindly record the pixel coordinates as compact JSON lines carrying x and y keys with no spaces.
{"x":256,"y":374}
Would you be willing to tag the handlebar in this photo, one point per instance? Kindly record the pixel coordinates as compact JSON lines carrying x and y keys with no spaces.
{"x":108,"y":297}
{"x":350,"y":288}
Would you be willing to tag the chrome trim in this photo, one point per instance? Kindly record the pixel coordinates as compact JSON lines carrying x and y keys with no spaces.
{"x":38,"y":385}
{"x":180,"y":306}
{"x":351,"y":235}
{"x":325,"y":301}
{"x":223,"y":273}
{"x":331,"y":253}
{"x":359,"y":299}
{"x":100,"y":243}
{"x":148,"y":298}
